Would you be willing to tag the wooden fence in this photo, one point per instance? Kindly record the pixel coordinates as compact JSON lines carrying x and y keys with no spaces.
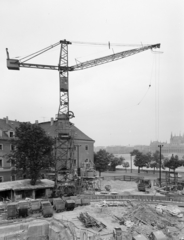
{"x":123,"y":178}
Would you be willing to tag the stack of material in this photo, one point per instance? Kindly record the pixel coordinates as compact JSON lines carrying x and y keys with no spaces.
{"x":149,"y":216}
{"x":147,"y":219}
{"x":91,"y":222}
{"x":173,"y":210}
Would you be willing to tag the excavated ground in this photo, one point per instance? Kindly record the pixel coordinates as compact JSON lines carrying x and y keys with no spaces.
{"x":132,"y":217}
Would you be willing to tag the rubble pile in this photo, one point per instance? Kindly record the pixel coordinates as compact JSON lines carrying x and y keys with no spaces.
{"x":150,"y":216}
{"x":138,"y":218}
{"x":91,"y":222}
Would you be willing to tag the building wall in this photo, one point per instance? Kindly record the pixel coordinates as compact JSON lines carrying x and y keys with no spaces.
{"x":5,"y":170}
{"x":6,"y":175}
{"x":7,"y":130}
{"x":6,"y":149}
{"x":84,"y":150}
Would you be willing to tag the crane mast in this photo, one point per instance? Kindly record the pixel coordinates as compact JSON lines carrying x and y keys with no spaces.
{"x":64,"y":144}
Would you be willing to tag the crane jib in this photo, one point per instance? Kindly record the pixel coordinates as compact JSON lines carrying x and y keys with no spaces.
{"x":14,"y":64}
{"x":110,"y":58}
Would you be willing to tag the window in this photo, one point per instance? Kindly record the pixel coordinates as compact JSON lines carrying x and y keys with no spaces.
{"x":1,"y":163}
{"x":11,"y":134}
{"x":74,"y":162}
{"x":13,"y":177}
{"x":1,"y":146}
{"x":1,"y":179}
{"x":12,"y":147}
{"x":86,"y":147}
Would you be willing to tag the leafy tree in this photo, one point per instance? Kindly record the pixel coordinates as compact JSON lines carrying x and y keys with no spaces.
{"x":154,"y":164}
{"x":32,"y":152}
{"x":140,"y":160}
{"x":155,"y":160}
{"x":115,"y":161}
{"x":126,"y":165}
{"x":101,"y":160}
{"x":173,"y":163}
{"x":182,"y":161}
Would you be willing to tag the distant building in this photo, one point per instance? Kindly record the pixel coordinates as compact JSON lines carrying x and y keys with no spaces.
{"x":175,"y":146}
{"x":83,"y":153}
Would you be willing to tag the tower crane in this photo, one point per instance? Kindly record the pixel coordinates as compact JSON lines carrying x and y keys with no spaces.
{"x":65,"y":145}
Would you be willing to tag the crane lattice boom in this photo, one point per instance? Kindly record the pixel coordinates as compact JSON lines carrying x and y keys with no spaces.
{"x":15,"y":64}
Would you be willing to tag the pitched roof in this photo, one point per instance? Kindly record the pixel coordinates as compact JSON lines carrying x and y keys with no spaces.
{"x":51,"y":131}
{"x":7,"y":125}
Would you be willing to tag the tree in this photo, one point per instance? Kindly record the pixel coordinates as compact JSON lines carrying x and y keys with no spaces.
{"x":101,"y":160}
{"x":32,"y":152}
{"x":155,"y":161}
{"x":115,"y":161}
{"x":154,"y":164}
{"x":173,"y":163}
{"x":140,"y":160}
{"x":126,"y":165}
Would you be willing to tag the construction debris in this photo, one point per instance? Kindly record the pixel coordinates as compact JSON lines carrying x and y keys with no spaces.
{"x":91,"y":222}
{"x":173,"y":210}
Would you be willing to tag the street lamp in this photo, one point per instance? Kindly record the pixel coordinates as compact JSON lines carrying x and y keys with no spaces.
{"x":131,"y":162}
{"x":160,"y":179}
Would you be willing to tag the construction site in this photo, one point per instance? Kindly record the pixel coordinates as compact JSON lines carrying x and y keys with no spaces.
{"x":82,"y":205}
{"x":116,"y":211}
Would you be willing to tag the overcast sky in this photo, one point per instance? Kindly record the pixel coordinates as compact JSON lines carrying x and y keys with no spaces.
{"x":131,"y":101}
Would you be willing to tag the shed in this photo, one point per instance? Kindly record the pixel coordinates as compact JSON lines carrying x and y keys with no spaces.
{"x":21,"y":189}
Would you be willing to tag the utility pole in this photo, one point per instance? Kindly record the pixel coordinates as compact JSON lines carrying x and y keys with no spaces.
{"x":131,"y":162}
{"x":160,"y":178}
{"x":78,"y":167}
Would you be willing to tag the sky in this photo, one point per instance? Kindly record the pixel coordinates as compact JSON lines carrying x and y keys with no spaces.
{"x":131,"y":101}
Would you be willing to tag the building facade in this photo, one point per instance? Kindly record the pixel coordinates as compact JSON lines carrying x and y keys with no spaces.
{"x":83,"y":145}
{"x":175,"y":146}
{"x":7,"y":132}
{"x":83,"y":150}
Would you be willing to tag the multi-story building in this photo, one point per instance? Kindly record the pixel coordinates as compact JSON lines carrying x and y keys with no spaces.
{"x":83,"y":151}
{"x":83,"y":145}
{"x":7,"y":132}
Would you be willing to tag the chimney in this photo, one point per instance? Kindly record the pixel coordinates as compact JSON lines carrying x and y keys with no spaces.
{"x":51,"y":121}
{"x":6,"y":120}
{"x":36,"y":121}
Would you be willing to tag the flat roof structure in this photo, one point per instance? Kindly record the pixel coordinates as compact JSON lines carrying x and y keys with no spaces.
{"x":25,"y":185}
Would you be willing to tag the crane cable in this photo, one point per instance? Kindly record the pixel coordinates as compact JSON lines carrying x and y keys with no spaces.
{"x":149,"y":86}
{"x":109,"y":44}
{"x":157,"y":95}
{"x":35,"y":54}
